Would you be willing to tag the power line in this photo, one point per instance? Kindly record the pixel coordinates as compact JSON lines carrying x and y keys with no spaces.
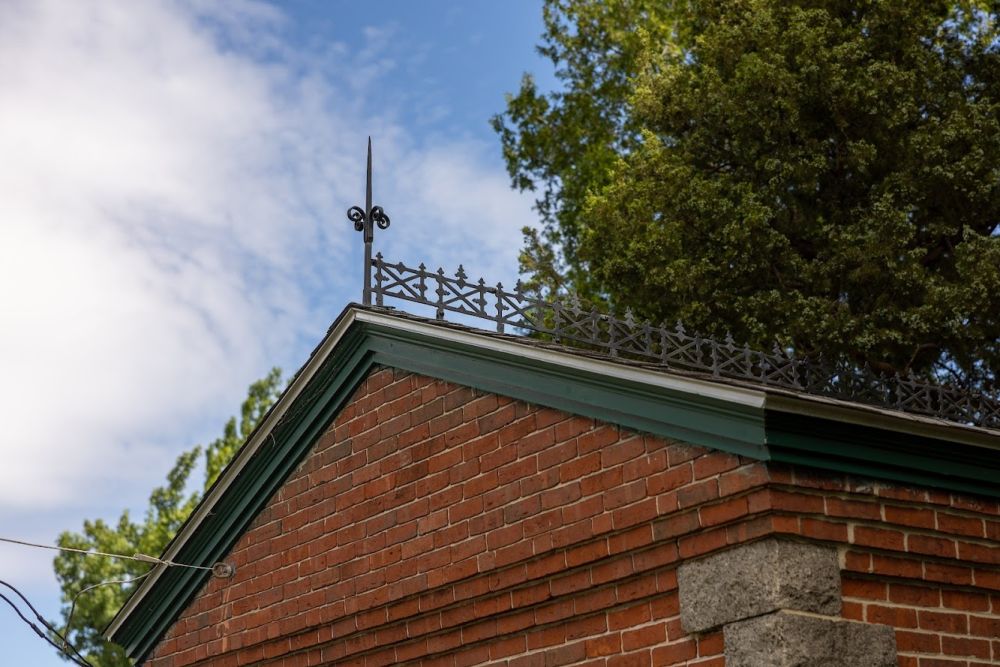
{"x":72,"y":607}
{"x":42,"y":620}
{"x":37,"y":614}
{"x":68,"y":649}
{"x":222,"y":570}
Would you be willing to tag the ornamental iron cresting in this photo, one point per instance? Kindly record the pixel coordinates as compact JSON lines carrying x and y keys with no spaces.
{"x":567,"y":321}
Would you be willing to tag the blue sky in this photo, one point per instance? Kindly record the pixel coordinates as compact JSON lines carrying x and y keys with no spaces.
{"x":172,"y":200}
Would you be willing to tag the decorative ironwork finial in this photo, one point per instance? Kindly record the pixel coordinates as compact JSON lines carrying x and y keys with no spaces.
{"x":364,"y":221}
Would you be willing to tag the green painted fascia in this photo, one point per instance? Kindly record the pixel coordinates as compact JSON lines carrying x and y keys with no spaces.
{"x":882,"y":454}
{"x":264,"y":473}
{"x":669,"y":413}
{"x":701,"y":420}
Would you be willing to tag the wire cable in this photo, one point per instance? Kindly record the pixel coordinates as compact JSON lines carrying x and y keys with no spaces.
{"x":142,"y":558}
{"x":81,"y":661}
{"x":221,"y":570}
{"x":72,"y":607}
{"x":43,"y":621}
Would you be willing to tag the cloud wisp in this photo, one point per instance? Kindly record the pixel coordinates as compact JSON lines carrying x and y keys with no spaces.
{"x":172,"y":223}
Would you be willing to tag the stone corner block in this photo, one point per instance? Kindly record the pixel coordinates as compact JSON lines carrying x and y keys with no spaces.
{"x":758,"y":578}
{"x":789,"y":639}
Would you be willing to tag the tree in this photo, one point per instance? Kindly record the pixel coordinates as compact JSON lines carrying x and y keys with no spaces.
{"x":565,"y":144}
{"x":821,"y":173}
{"x":169,"y":507}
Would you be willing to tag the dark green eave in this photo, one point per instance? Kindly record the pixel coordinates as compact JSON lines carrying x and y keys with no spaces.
{"x":903,"y":457}
{"x":696,"y":410}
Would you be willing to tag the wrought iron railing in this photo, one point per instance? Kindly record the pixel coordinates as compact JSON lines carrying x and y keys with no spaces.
{"x":568,"y":321}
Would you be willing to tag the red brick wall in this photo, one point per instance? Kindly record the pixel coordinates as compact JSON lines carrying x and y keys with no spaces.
{"x":438,"y":525}
{"x":923,"y":561}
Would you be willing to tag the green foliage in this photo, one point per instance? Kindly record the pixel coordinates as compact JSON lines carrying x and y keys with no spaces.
{"x":563,"y":145}
{"x":169,"y":507}
{"x":822,"y":173}
{"x":260,"y":396}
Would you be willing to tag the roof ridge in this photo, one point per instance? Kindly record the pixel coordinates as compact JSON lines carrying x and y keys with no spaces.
{"x":567,"y":321}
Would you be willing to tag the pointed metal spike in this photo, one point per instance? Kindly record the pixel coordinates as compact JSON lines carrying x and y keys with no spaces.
{"x":460,"y":274}
{"x":378,"y":256}
{"x":368,"y":181}
{"x":422,"y":267}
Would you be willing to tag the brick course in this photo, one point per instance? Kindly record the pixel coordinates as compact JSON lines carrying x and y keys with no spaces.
{"x":438,"y":525}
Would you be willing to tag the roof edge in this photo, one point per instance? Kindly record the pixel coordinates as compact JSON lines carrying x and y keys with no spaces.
{"x":701,"y":410}
{"x":863,"y":414}
{"x":400,"y":341}
{"x":231,"y":471}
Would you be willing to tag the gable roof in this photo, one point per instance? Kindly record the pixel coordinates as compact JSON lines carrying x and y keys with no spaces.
{"x":764,"y":423}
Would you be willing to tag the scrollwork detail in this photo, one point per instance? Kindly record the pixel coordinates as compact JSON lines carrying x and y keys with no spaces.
{"x":357,"y":215}
{"x":379,"y":217}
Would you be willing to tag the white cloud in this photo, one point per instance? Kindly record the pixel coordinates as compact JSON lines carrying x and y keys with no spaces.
{"x":172,"y":196}
{"x":460,"y":216}
{"x":173,"y":182}
{"x":135,"y":227}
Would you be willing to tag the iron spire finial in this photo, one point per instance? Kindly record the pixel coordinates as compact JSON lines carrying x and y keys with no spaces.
{"x":368,"y":179}
{"x":364,"y":221}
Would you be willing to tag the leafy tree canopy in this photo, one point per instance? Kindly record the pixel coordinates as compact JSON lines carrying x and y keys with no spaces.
{"x":820,"y":173}
{"x":169,"y":507}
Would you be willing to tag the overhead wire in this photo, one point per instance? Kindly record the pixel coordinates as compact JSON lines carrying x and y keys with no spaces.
{"x":68,"y":649}
{"x":72,"y":607}
{"x":142,"y":558}
{"x":221,"y":570}
{"x":41,"y":619}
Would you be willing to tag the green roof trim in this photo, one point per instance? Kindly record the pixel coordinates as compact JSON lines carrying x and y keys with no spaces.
{"x":696,"y":410}
{"x":669,"y":413}
{"x":248,"y":493}
{"x":872,"y":452}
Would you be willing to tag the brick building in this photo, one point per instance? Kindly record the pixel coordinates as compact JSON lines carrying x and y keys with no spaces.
{"x":430,"y":494}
